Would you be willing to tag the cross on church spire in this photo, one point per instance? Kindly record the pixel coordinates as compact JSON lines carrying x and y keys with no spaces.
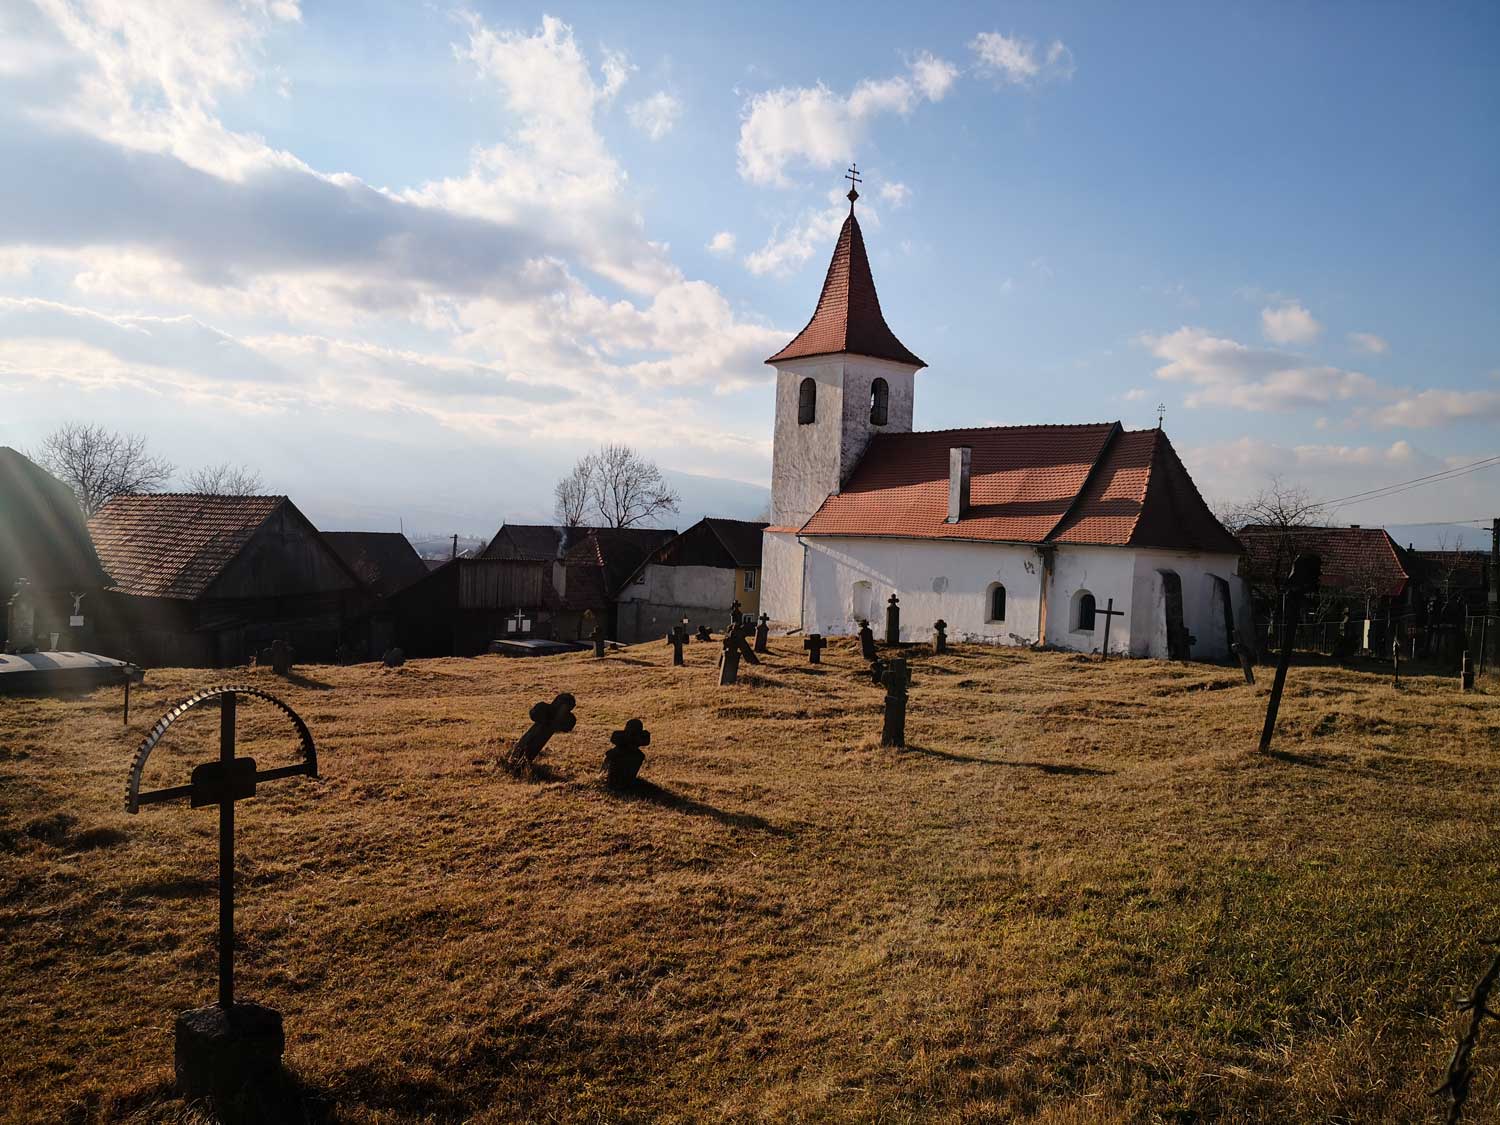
{"x":854,"y":179}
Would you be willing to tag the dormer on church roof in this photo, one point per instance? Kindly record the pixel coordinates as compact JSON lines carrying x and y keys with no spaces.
{"x":848,"y":317}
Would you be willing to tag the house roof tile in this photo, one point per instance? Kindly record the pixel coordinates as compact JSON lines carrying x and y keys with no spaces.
{"x":1353,"y":558}
{"x":385,"y":561}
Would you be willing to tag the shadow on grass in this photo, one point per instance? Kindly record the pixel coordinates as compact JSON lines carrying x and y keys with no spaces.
{"x":1044,"y":767}
{"x":282,"y":1097}
{"x":297,"y":679}
{"x":648,"y":791}
{"x":184,"y":886}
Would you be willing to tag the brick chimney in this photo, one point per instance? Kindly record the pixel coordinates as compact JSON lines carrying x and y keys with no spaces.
{"x":959,"y":458}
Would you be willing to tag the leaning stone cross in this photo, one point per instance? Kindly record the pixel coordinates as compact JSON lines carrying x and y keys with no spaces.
{"x":622,"y":761}
{"x":677,"y":638}
{"x":896,"y":680}
{"x":939,"y":636}
{"x":893,"y":621}
{"x":221,"y":1050}
{"x":763,"y":634}
{"x":1306,"y":573}
{"x":1109,"y":613}
{"x":547,"y":719}
{"x":814,"y":643}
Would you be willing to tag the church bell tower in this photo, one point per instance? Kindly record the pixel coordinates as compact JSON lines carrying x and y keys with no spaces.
{"x":842,"y":380}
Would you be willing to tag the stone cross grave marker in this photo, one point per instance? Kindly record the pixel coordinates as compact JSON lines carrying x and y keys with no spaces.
{"x":814,"y":643}
{"x":704,"y":633}
{"x":893,"y":621}
{"x":729,"y":659}
{"x":735,"y":613}
{"x":1396,"y":661}
{"x":20,"y":626}
{"x":222,"y":1050}
{"x":866,"y":641}
{"x":393,"y":658}
{"x":677,"y":638}
{"x":939,"y":636}
{"x":281,"y":657}
{"x":763,"y":634}
{"x":1247,"y":661}
{"x":1109,"y":613}
{"x":622,"y":761}
{"x":1307,"y":571}
{"x":877,"y":671}
{"x":597,"y":636}
{"x":896,"y":680}
{"x":547,"y":719}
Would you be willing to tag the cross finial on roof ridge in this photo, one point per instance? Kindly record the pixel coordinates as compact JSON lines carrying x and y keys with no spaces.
{"x":854,"y":179}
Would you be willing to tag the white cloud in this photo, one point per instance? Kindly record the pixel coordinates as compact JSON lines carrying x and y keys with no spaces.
{"x":721,"y":243}
{"x":1436,"y":407}
{"x":933,"y":76}
{"x":820,"y":128}
{"x":1223,"y":372}
{"x":1135,"y":394}
{"x":1369,"y":342}
{"x":1289,"y":323}
{"x":1021,"y":62}
{"x":813,"y":232}
{"x":895,"y":193}
{"x":657,"y":115}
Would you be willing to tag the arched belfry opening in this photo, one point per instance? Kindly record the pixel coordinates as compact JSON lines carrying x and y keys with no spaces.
{"x":807,"y":402}
{"x":880,"y":402}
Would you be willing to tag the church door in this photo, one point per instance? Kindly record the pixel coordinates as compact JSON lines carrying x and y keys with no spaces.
{"x":1225,"y":607}
{"x":1178,"y":641}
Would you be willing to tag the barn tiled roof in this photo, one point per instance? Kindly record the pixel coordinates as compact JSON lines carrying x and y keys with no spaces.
{"x":43,"y":536}
{"x":1087,"y":484}
{"x":533,"y":541}
{"x":173,"y":545}
{"x":848,"y":317}
{"x":617,"y":552}
{"x":1354,"y":558}
{"x":385,"y":561}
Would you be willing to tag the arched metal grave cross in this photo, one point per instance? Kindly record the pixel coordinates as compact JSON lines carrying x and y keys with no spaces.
{"x":222,"y":783}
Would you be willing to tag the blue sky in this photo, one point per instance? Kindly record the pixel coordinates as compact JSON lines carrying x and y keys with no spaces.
{"x":410,"y":260}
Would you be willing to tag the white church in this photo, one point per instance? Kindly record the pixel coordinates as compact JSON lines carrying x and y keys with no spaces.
{"x":1013,"y":535}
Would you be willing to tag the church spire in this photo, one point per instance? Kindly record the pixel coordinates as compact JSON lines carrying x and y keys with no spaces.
{"x":848,"y":317}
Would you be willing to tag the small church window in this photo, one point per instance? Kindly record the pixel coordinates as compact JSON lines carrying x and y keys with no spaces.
{"x":1085,"y":612}
{"x":880,"y":397}
{"x":807,"y":402}
{"x":997,"y":602}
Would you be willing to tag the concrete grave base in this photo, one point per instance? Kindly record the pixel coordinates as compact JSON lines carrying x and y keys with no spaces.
{"x":224,"y":1055}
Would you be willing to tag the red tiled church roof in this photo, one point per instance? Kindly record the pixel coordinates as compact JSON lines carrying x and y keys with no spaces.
{"x":1089,"y":484}
{"x":848,"y":317}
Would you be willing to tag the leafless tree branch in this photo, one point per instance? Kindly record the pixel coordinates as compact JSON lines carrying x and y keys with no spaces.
{"x":225,"y":479}
{"x":99,"y":464}
{"x":617,"y":485}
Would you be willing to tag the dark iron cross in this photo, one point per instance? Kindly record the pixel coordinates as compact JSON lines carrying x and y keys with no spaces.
{"x":1306,"y":573}
{"x":855,"y":180}
{"x":222,"y":783}
{"x":1109,"y":613}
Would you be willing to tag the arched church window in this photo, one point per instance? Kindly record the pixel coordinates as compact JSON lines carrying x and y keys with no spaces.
{"x":807,"y":402}
{"x":880,"y":398}
{"x":996,"y":607}
{"x":1085,"y":612}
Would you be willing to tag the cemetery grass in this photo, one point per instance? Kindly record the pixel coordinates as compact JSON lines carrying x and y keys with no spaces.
{"x":1079,"y":895}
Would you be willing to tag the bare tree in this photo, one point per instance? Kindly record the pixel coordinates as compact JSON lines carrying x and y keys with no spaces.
{"x":627,"y":489}
{"x":225,"y":479}
{"x":1279,"y":514}
{"x":1449,"y":560}
{"x":99,"y":464}
{"x":572,"y":495}
{"x":615,"y":484}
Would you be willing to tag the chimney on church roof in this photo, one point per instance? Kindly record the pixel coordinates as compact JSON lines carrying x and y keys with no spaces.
{"x":960,"y":458}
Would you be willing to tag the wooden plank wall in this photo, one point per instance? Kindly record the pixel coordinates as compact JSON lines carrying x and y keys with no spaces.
{"x":503,"y":584}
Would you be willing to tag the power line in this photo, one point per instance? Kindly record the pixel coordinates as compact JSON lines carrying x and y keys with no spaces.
{"x":1416,"y":482}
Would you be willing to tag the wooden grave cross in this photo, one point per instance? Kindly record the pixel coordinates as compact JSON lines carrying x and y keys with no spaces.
{"x":1109,"y":613}
{"x":221,"y":782}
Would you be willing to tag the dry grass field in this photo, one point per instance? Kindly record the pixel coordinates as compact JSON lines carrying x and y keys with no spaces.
{"x":1079,"y":895}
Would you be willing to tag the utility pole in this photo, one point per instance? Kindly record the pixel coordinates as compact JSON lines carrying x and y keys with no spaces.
{"x":455,"y":545}
{"x":1492,"y":623}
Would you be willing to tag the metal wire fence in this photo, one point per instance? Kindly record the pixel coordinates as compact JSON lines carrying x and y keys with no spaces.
{"x":1423,"y":640}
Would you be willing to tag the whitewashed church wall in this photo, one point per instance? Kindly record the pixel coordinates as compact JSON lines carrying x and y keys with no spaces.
{"x":781,"y":579}
{"x":1105,"y":572}
{"x":1201,"y":612}
{"x":805,"y":458}
{"x":848,"y":578}
{"x":860,"y":374}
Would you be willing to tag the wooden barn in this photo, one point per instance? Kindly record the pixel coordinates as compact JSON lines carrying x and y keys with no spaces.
{"x":44,"y":540}
{"x":463,"y":605}
{"x":210,"y":580}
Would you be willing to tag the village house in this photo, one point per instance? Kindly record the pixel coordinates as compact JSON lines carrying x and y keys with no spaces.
{"x":44,"y":542}
{"x":697,"y":576}
{"x":1012,"y":534}
{"x":204,"y":580}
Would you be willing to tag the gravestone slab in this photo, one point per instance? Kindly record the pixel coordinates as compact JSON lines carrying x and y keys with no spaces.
{"x":866,"y":641}
{"x":939,"y":636}
{"x":677,"y":638}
